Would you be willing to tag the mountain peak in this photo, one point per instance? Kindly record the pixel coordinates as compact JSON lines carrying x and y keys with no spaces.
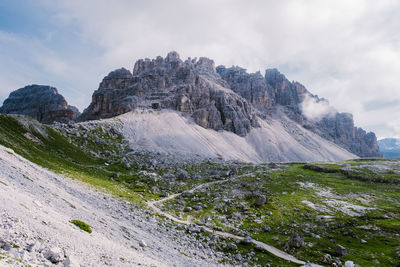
{"x":42,"y":102}
{"x":221,"y":98}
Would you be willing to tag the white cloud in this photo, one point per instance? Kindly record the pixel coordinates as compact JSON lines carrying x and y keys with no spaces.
{"x":315,"y":109}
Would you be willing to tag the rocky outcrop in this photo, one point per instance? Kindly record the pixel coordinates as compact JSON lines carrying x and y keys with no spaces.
{"x":340,"y":129}
{"x":41,"y":102}
{"x":266,"y":93}
{"x":192,"y":86}
{"x":252,"y":86}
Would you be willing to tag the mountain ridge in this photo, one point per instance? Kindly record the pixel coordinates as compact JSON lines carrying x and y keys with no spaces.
{"x":218,"y":98}
{"x":221,"y":98}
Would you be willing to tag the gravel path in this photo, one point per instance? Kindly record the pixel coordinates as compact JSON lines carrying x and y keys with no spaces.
{"x":36,"y":206}
{"x":277,"y":252}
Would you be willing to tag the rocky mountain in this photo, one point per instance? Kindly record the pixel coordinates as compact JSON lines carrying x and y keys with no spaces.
{"x":221,"y":99}
{"x":192,"y":86}
{"x":274,"y":89}
{"x":217,"y":98}
{"x":390,"y":147}
{"x":41,"y":102}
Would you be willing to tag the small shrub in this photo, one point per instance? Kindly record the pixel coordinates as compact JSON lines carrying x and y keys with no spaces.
{"x":82,"y":225}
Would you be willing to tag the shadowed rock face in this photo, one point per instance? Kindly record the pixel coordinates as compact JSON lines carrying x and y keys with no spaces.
{"x":340,"y":129}
{"x":192,"y":86}
{"x":219,"y":98}
{"x":41,"y":102}
{"x":266,"y":93}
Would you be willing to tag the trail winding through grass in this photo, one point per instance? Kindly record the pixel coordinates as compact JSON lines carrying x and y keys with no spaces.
{"x":273,"y":250}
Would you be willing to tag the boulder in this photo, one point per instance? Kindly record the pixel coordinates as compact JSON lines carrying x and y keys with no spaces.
{"x":54,"y":255}
{"x":260,"y":200}
{"x":142,"y":243}
{"x":182,"y":174}
{"x":247,"y":240}
{"x":4,"y":245}
{"x":232,"y":246}
{"x":295,"y":241}
{"x":340,"y":250}
{"x":71,"y":261}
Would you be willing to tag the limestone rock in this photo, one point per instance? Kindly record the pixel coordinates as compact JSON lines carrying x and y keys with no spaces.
{"x":54,"y":255}
{"x":191,"y":86}
{"x":252,"y":87}
{"x":142,"y":243}
{"x":260,"y":200}
{"x":340,"y":129}
{"x":71,"y":261}
{"x":220,"y":98}
{"x":275,"y":90}
{"x":41,"y":102}
{"x":182,"y":174}
{"x":295,"y":241}
{"x":340,"y":250}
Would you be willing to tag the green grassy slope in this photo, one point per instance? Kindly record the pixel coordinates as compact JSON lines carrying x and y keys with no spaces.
{"x":300,"y":198}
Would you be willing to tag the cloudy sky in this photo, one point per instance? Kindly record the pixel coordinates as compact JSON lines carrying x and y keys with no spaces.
{"x":345,"y":51}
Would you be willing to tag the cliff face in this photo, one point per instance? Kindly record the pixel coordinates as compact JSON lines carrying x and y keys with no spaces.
{"x":251,"y":86}
{"x":220,"y":98}
{"x":338,"y":128}
{"x":274,"y":89}
{"x":41,"y":102}
{"x":191,"y":86}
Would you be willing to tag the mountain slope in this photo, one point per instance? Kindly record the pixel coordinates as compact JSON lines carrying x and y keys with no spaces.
{"x":279,"y":140}
{"x":286,"y":206}
{"x":38,"y":205}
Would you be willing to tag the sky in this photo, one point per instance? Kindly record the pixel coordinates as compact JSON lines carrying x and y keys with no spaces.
{"x":345,"y":51}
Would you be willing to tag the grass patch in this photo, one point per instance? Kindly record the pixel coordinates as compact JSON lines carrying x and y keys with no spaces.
{"x":82,"y":225}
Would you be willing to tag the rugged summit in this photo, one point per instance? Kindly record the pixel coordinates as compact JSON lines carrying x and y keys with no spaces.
{"x":221,"y":98}
{"x":340,"y":129}
{"x":192,"y":86}
{"x":41,"y":102}
{"x":276,"y":90}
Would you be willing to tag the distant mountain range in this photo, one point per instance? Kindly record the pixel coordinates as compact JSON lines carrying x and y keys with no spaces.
{"x":390,"y":147}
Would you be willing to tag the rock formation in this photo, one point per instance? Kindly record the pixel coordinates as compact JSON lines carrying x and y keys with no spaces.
{"x":220,"y":98}
{"x":192,"y":86}
{"x":41,"y":102}
{"x":338,"y":128}
{"x":275,"y":89}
